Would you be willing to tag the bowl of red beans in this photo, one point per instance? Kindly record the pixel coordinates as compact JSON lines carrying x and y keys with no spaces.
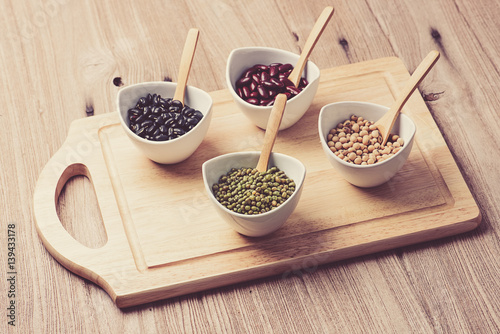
{"x":255,"y":75}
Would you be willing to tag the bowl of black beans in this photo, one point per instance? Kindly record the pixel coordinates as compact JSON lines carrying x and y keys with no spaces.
{"x":255,"y":75}
{"x":165,"y":130}
{"x":254,"y":203}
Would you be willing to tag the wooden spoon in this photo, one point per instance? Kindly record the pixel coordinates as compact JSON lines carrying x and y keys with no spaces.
{"x":314,"y":35}
{"x":272,"y":128}
{"x":385,"y":124}
{"x":186,"y":61}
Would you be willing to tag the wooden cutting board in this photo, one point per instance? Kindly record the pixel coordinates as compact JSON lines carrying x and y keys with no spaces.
{"x":165,"y":239}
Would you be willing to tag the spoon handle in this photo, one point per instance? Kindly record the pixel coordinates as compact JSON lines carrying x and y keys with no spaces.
{"x":314,"y":35}
{"x":387,"y":121}
{"x":186,"y":61}
{"x":271,"y":131}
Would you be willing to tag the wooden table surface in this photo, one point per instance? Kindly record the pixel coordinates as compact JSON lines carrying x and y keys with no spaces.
{"x":61,"y":60}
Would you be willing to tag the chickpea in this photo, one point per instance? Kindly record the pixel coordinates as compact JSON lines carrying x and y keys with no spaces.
{"x":358,"y":141}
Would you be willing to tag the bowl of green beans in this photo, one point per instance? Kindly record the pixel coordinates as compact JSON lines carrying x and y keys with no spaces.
{"x":254,"y":203}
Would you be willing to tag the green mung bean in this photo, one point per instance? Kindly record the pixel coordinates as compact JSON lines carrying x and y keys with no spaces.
{"x":248,"y":191}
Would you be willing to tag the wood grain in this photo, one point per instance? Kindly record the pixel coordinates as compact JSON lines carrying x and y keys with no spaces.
{"x":59,"y":59}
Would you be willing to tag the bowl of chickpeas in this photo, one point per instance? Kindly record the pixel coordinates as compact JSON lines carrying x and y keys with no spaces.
{"x":353,"y":144}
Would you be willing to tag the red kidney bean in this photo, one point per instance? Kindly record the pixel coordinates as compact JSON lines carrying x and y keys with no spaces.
{"x":274,"y":71}
{"x":256,"y":77}
{"x":253,"y":100}
{"x":246,"y":91}
{"x":262,"y":67}
{"x":268,"y":84}
{"x":287,"y":82}
{"x":249,"y":72}
{"x":277,"y":83}
{"x":264,"y":77}
{"x":293,"y":90}
{"x":266,"y":102}
{"x":253,"y":85}
{"x":263,"y":92}
{"x":285,"y":67}
{"x":243,"y":82}
{"x":260,"y":83}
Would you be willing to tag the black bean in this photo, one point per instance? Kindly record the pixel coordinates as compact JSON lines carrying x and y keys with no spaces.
{"x":179,"y":132}
{"x":156,"y":99}
{"x":174,"y":108}
{"x":191,"y":121}
{"x":159,"y":119}
{"x":161,"y":137}
{"x":177,"y":103}
{"x":141,"y":102}
{"x":146,"y":123}
{"x":170,"y":122}
{"x":197,"y":114}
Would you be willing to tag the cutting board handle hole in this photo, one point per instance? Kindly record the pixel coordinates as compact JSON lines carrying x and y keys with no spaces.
{"x":79,"y":212}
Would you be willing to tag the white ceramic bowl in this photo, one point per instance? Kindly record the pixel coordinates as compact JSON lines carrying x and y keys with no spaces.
{"x":170,"y":151}
{"x":264,"y":223}
{"x":366,"y":175}
{"x":243,"y":58}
